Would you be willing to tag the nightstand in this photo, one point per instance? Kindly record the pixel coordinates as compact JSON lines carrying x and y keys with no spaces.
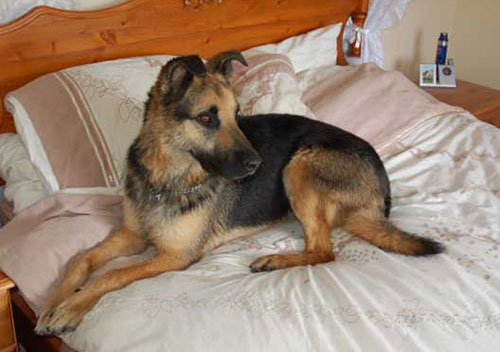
{"x":482,"y":102}
{"x":7,"y":332}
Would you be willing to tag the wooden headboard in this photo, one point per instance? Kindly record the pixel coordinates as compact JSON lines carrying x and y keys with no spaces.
{"x":47,"y":40}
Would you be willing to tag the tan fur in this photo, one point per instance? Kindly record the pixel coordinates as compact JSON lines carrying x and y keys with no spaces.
{"x":120,"y":243}
{"x":316,"y":214}
{"x":182,"y":234}
{"x":368,"y":225}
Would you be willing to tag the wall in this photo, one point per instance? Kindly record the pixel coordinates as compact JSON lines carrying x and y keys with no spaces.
{"x":473,"y":27}
{"x":477,"y":48}
{"x":414,"y":39}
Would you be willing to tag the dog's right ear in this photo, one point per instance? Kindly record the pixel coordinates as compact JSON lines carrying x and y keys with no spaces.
{"x":221,"y":63}
{"x":177,"y":74}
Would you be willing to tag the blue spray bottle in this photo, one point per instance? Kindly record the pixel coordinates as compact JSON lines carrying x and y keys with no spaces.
{"x":442,"y":49}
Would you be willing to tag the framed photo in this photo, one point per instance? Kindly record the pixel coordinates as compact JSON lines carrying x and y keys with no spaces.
{"x":446,"y":74}
{"x":428,"y":75}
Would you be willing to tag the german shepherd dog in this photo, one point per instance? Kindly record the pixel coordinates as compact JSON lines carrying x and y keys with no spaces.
{"x":200,"y":174}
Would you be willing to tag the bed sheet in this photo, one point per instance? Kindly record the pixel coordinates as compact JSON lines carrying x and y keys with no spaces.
{"x":444,"y":174}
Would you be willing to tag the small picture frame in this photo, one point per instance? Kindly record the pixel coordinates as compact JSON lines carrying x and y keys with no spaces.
{"x":446,"y":75}
{"x":428,"y":75}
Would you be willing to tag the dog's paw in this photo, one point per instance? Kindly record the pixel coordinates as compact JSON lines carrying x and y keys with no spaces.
{"x":281,"y":261}
{"x":269,"y":263}
{"x":63,"y":318}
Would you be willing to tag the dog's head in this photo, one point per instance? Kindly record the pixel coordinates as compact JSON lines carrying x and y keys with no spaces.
{"x":193,"y":108}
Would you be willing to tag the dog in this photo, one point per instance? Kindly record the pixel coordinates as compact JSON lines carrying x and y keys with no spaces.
{"x":201,"y":174}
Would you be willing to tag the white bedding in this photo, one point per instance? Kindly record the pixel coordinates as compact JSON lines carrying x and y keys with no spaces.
{"x":446,"y":185}
{"x":23,"y":187}
{"x":444,"y":169}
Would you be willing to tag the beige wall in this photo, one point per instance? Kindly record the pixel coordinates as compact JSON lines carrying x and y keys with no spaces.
{"x":474,"y":30}
{"x":477,"y":48}
{"x":414,"y":39}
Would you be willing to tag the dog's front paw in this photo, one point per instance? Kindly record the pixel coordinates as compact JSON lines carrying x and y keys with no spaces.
{"x":63,"y":318}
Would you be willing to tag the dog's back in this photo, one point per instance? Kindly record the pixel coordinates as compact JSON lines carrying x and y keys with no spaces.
{"x":277,"y":138}
{"x":328,"y":177}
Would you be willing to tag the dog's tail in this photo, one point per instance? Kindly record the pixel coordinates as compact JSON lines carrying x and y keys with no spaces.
{"x":381,"y":233}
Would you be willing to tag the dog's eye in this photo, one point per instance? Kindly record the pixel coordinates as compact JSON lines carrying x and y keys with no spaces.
{"x":208,"y":118}
{"x":205,"y":119}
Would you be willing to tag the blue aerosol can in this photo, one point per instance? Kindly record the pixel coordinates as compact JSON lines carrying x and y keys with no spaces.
{"x":442,"y":49}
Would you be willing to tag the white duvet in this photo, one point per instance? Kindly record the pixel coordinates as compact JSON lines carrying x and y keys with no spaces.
{"x":444,"y":167}
{"x":446,"y":184}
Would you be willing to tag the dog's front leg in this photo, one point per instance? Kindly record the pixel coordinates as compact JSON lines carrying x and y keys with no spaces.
{"x":68,"y":315}
{"x":120,"y":243}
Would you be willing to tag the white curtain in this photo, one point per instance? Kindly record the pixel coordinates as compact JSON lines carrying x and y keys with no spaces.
{"x":382,"y":14}
{"x":12,"y":9}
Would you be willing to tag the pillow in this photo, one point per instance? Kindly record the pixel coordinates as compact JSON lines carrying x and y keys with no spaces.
{"x":313,"y":49}
{"x":23,"y":186}
{"x":374,"y":104}
{"x":268,"y":85}
{"x":78,"y":123}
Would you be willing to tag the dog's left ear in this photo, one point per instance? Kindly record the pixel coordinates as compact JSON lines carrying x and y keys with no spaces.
{"x":221,"y":63}
{"x":194,"y":65}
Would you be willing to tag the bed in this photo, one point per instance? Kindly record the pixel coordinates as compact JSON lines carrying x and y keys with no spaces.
{"x":442,"y":162}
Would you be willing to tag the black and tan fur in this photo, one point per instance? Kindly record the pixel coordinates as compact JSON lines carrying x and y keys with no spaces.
{"x":200,"y":174}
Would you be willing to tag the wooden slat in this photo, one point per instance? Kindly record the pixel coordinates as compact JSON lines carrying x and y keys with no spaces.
{"x":5,"y":282}
{"x":7,"y":332}
{"x":25,"y":323}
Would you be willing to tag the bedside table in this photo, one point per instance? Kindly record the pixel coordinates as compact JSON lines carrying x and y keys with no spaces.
{"x":482,"y":102}
{"x":7,"y":332}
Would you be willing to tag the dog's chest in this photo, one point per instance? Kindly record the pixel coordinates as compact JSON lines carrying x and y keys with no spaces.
{"x":181,"y":232}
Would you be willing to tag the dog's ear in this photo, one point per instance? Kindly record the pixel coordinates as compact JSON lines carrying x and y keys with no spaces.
{"x":177,"y":74}
{"x":221,"y":63}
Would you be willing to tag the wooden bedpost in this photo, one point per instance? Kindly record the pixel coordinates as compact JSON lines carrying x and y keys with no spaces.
{"x":358,"y":18}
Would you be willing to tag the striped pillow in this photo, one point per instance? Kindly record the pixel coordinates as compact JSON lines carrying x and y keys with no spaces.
{"x":77,"y":123}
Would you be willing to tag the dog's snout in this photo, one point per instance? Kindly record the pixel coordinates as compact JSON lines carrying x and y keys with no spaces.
{"x":252,"y":164}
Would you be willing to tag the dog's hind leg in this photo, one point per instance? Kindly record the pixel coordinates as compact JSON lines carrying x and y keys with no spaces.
{"x":122,"y":242}
{"x":317,"y":213}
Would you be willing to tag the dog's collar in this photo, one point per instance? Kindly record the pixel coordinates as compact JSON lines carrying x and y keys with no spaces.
{"x":157,"y":196}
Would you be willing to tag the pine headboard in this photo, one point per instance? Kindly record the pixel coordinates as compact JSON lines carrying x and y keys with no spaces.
{"x":46,"y":40}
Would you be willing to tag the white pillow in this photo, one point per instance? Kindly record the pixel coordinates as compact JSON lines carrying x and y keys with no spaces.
{"x":23,"y":186}
{"x":306,"y":51}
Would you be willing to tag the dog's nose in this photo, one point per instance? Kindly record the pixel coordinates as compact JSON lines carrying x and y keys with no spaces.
{"x":252,"y":164}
